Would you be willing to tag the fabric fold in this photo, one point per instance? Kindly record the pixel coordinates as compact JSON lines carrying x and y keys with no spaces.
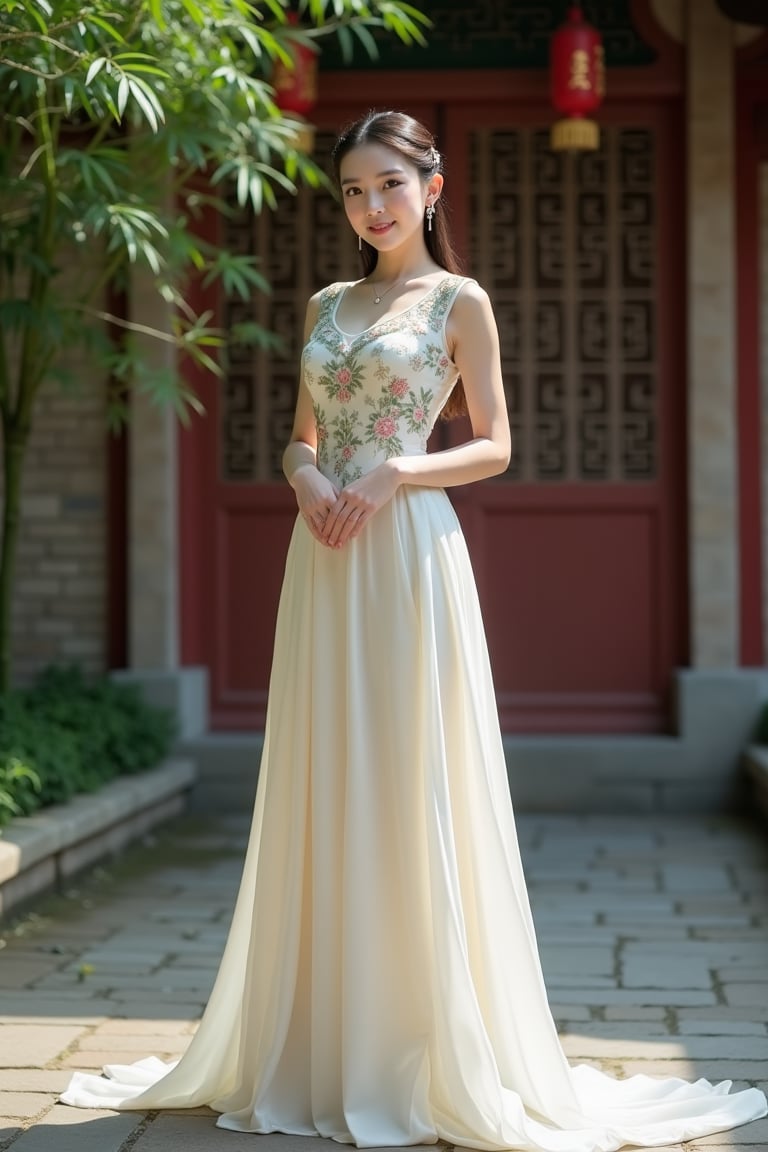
{"x":381,"y":982}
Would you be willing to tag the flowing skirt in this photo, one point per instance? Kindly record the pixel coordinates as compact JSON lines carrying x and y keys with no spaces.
{"x":381,"y":982}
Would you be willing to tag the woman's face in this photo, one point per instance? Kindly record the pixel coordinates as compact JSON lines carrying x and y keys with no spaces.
{"x":384,"y":195}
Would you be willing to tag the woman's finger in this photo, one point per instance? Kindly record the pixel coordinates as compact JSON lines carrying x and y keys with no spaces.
{"x":347,"y":520}
{"x":315,"y":527}
{"x":352,"y":526}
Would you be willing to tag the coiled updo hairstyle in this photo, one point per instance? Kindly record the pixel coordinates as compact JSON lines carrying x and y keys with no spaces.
{"x":415,"y":143}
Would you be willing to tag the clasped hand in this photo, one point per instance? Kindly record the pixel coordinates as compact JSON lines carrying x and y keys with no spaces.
{"x":334,"y":517}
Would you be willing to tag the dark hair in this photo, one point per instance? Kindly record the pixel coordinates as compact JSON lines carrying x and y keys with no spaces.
{"x":416,"y":144}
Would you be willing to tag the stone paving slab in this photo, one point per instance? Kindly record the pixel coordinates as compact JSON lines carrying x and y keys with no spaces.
{"x":754,"y":994}
{"x":158,"y":1042}
{"x":24,"y":1105}
{"x":640,"y":997}
{"x":135,"y":1026}
{"x":77,"y":1130}
{"x":193,"y":1134}
{"x":698,"y":1048}
{"x":654,"y":955}
{"x":33,"y":1045}
{"x":751,"y":1135}
{"x":753,"y":1071}
{"x":33,"y":1080}
{"x":721,"y":1028}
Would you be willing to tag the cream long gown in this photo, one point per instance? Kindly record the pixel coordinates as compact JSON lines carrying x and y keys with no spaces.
{"x":381,"y":982}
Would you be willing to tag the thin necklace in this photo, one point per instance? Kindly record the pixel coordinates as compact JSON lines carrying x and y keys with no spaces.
{"x":379,"y":296}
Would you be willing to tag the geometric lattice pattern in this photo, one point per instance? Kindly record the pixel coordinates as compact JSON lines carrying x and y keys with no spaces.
{"x":566,"y":246}
{"x":302,"y":246}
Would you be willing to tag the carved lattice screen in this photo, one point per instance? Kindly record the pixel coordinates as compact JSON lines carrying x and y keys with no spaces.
{"x":565,"y":245}
{"x":566,"y":248}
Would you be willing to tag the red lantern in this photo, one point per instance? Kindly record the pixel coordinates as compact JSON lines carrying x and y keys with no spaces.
{"x":577,"y":82}
{"x":296,"y":87}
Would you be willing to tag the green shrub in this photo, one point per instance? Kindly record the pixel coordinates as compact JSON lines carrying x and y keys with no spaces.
{"x":19,"y":790}
{"x":68,"y":734}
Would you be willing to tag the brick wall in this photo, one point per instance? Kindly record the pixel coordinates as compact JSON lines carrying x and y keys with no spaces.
{"x":61,"y":586}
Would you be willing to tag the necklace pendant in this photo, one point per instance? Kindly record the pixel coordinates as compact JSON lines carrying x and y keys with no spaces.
{"x":377,"y":299}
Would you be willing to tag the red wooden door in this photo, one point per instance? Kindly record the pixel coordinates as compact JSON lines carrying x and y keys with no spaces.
{"x":579,"y":549}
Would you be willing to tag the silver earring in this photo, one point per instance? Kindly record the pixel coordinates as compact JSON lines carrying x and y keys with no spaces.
{"x":430,"y":214}
{"x":359,"y":243}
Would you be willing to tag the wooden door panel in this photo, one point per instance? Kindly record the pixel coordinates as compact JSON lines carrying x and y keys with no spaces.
{"x":253,"y":530}
{"x":575,"y":549}
{"x":568,"y":598}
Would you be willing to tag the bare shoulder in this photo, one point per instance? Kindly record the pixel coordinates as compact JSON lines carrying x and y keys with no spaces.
{"x":314,"y":302}
{"x":471,"y":312}
{"x":472,"y":299}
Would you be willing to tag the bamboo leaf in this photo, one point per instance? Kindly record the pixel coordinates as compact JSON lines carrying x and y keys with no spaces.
{"x":105,"y":26}
{"x":147,"y":101}
{"x":367,"y":40}
{"x":94,"y":70}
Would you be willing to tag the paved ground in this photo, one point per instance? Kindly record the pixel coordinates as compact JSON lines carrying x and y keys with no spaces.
{"x":654,"y":938}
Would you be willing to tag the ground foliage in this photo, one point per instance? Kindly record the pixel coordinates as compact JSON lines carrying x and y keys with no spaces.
{"x":68,"y":734}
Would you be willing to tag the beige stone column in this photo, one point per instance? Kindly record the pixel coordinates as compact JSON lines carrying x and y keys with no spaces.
{"x":153,"y":556}
{"x":712,"y":476}
{"x":153,"y":535}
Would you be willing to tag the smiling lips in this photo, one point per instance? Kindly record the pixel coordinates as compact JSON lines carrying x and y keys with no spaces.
{"x":380,"y":229}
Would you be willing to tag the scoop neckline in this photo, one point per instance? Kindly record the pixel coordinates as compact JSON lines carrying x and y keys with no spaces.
{"x":378,"y":323}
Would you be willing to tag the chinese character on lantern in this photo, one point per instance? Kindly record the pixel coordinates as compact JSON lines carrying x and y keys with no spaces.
{"x":577,"y":82}
{"x":579,"y":77}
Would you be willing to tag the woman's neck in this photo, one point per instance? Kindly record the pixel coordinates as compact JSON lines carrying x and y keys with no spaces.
{"x":408,"y":269}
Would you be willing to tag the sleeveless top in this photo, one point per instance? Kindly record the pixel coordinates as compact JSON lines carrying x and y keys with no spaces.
{"x":378,"y":393}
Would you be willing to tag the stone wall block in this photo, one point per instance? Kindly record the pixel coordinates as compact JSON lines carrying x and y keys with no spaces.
{"x":60,"y":586}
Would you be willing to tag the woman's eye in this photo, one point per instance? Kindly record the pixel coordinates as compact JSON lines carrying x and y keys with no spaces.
{"x":351,"y":191}
{"x":392,"y":183}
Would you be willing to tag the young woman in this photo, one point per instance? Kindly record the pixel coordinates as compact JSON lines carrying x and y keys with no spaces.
{"x":381,"y":982}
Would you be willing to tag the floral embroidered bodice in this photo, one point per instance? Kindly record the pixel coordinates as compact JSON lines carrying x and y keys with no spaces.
{"x":377,"y":394}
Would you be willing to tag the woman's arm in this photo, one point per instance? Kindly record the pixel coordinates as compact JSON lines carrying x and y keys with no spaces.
{"x":315,"y":494}
{"x":473,"y":340}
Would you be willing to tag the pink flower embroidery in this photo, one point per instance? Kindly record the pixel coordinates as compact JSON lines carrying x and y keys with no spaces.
{"x":343,"y":376}
{"x":347,"y":453}
{"x":419,"y":415}
{"x":322,"y":432}
{"x":344,"y":395}
{"x":398,"y":387}
{"x":384,"y":428}
{"x":444,"y":362}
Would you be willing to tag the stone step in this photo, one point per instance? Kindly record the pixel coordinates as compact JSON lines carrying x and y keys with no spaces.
{"x":45,"y":850}
{"x":227,"y":769}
